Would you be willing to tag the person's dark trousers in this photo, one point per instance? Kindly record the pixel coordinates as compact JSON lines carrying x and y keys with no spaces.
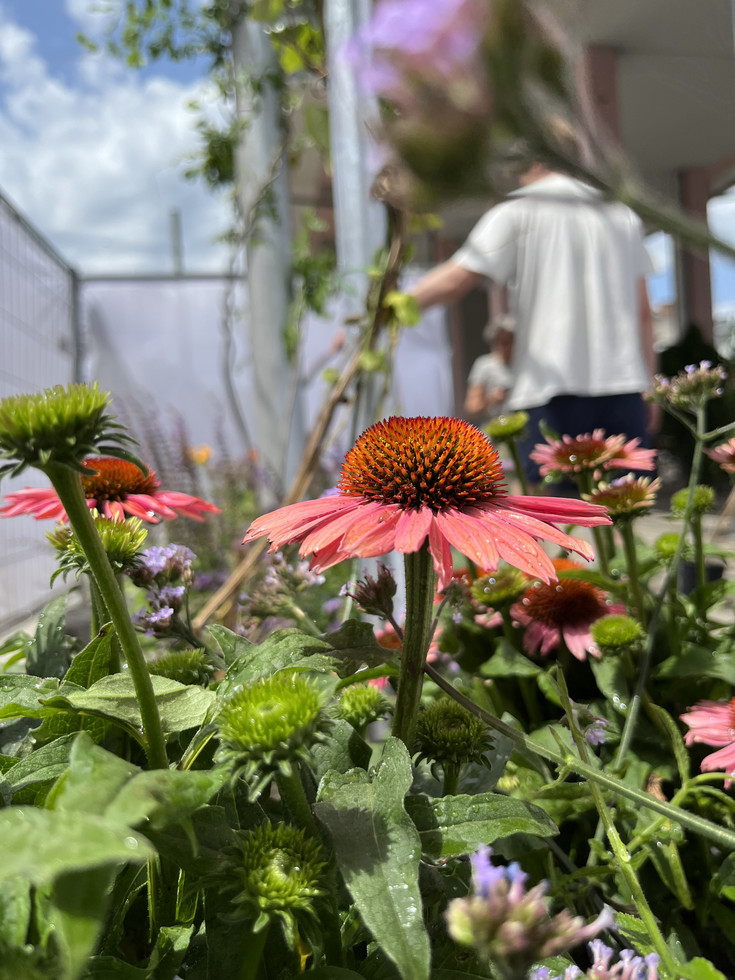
{"x":574,"y":415}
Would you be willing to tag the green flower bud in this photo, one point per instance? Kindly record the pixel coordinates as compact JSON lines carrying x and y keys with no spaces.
{"x":271,"y":725}
{"x":184,"y":666}
{"x":666,"y":544}
{"x":503,"y":428}
{"x":361,"y":704}
{"x":58,"y":426}
{"x":616,"y":633}
{"x":122,"y":541}
{"x":278,"y":873}
{"x":504,"y":586}
{"x":448,"y":735}
{"x":702,"y":502}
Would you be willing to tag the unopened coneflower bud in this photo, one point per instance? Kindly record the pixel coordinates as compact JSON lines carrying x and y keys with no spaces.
{"x":278,"y":873}
{"x":449,"y":735}
{"x":703,"y":500}
{"x":362,"y":704}
{"x":58,"y":426}
{"x":501,"y":587}
{"x":271,"y":725}
{"x":505,"y":427}
{"x":122,"y":541}
{"x":185,"y":666}
{"x":616,"y":633}
{"x":374,"y":596}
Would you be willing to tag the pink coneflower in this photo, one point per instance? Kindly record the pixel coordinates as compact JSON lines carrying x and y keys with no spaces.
{"x":626,"y":497}
{"x":411,"y":480}
{"x":724,"y":455}
{"x":117,"y":489}
{"x":713,"y":723}
{"x":563,"y":610}
{"x":590,"y":452}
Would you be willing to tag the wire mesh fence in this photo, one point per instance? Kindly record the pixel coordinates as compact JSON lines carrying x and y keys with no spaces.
{"x":38,"y":348}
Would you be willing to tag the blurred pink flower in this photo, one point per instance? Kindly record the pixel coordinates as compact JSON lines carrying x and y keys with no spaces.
{"x":591,"y":451}
{"x":563,"y":610}
{"x":117,"y":489}
{"x":713,"y":723}
{"x":408,"y":481}
{"x":724,"y":455}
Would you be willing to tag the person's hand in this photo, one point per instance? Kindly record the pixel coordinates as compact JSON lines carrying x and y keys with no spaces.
{"x":653,"y":417}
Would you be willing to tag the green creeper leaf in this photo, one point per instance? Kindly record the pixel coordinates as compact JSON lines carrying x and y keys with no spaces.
{"x":404,"y":307}
{"x":458,"y":824}
{"x":699,"y":969}
{"x":378,"y":849}
{"x":113,"y":698}
{"x":40,"y":845}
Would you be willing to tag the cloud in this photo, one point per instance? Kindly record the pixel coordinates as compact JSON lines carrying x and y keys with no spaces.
{"x":94,"y":17}
{"x":96,"y":164}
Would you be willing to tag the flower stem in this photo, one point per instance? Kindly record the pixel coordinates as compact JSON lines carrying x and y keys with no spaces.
{"x":68,"y":486}
{"x":622,"y":856}
{"x":254,"y":954}
{"x":520,"y":475}
{"x":631,"y":719}
{"x":631,"y":560}
{"x":420,"y":588}
{"x":714,"y":832}
{"x":292,"y":793}
{"x":451,"y":780}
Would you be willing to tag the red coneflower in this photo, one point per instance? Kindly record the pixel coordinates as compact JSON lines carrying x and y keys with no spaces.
{"x":713,"y":723}
{"x":563,"y":610}
{"x":409,"y":480}
{"x":117,"y":489}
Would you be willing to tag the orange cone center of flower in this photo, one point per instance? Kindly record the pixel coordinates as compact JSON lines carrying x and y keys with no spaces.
{"x":423,"y":462}
{"x":568,"y":602}
{"x":116,"y":479}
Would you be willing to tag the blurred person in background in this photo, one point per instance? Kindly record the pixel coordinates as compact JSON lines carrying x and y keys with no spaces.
{"x":575,"y":267}
{"x":490,"y":376}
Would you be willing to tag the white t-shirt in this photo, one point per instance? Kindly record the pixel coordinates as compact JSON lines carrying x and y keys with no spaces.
{"x":572,"y":262}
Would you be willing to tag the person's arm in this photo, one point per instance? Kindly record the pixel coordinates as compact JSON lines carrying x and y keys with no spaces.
{"x":478,"y":400}
{"x":447,"y":283}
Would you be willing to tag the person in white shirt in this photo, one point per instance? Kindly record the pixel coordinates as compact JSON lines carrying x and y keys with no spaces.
{"x":575,"y":267}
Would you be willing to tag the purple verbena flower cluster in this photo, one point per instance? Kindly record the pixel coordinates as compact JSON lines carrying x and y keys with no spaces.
{"x":166,"y":573}
{"x":506,"y":923}
{"x":630,"y":966}
{"x":691,"y":388}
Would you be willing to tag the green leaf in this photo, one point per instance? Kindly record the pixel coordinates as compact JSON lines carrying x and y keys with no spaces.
{"x":282,"y":649}
{"x":113,"y":698}
{"x":344,"y":750}
{"x":93,"y":662}
{"x":699,"y":662}
{"x":459,"y":824}
{"x":378,"y":850}
{"x":20,"y":695}
{"x":611,"y":680}
{"x":168,"y":954}
{"x":231,"y":644}
{"x":677,"y":742}
{"x":75,"y":906}
{"x":331,"y":973}
{"x":404,"y":307}
{"x":15,"y":911}
{"x":699,"y":969}
{"x":98,"y":782}
{"x":49,"y":652}
{"x":40,"y":845}
{"x":508,"y":662}
{"x":44,"y":765}
{"x":356,"y":646}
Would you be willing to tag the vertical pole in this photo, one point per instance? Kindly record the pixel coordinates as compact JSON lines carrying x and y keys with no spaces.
{"x":264,"y":201}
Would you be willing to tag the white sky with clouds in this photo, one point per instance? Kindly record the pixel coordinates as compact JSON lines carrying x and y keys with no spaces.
{"x":92,"y":153}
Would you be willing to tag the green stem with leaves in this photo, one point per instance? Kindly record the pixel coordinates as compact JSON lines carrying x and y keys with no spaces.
{"x":68,"y":486}
{"x":620,"y":852}
{"x":570,"y":763}
{"x":631,"y":561}
{"x":420,"y":590}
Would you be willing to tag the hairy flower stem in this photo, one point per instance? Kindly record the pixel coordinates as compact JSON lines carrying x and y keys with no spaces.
{"x":570,"y":763}
{"x":631,"y":561}
{"x":291,"y":790}
{"x":621,"y":853}
{"x":644,"y":666}
{"x":699,"y":565}
{"x":253,"y":954}
{"x":420,"y":589}
{"x":68,"y":486}
{"x":451,"y":780}
{"x":520,"y":474}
